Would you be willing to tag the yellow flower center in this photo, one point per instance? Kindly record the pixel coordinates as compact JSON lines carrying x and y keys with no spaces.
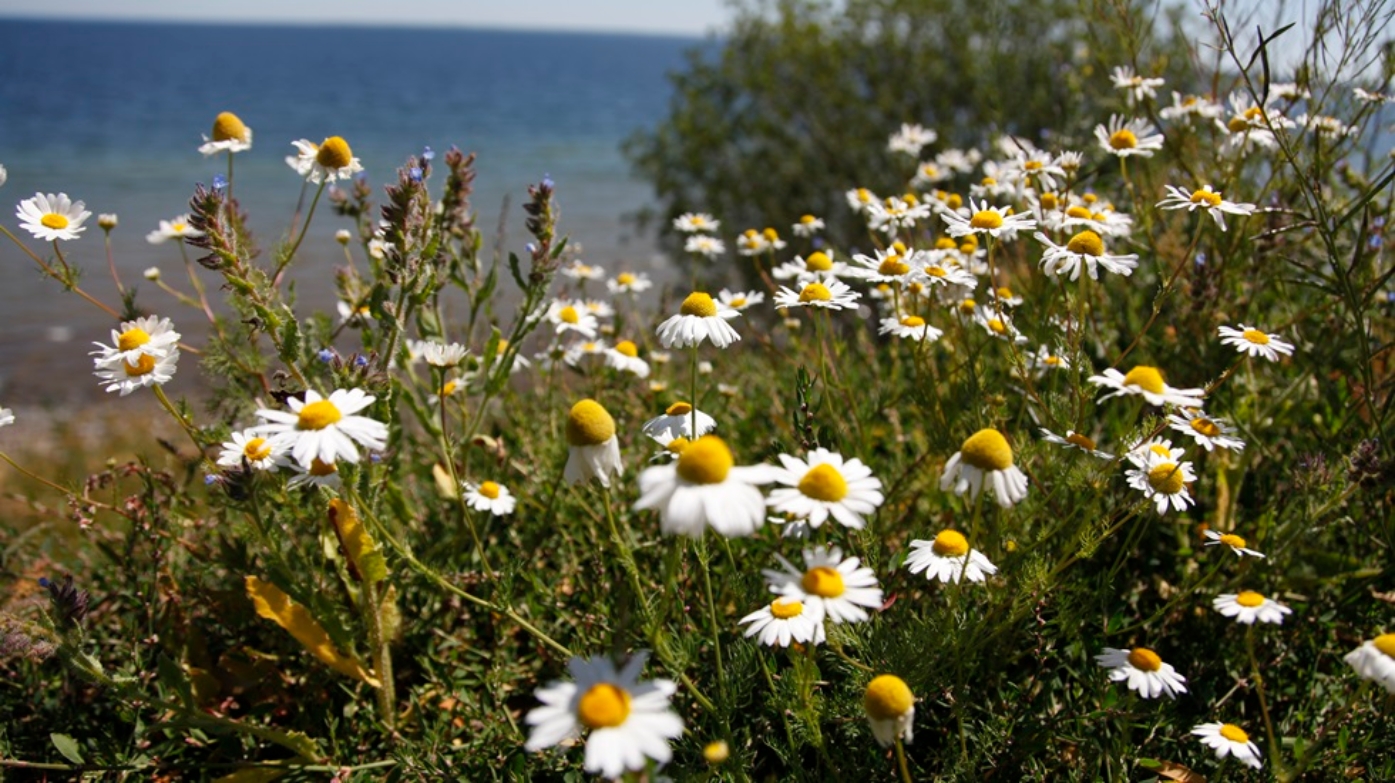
{"x":1144,"y":659}
{"x":954,"y":201}
{"x":823,"y":582}
{"x":946,"y":243}
{"x":1086,"y":243}
{"x":318,"y":415}
{"x":807,"y":219}
{"x":988,"y":182}
{"x":490,"y":490}
{"x":568,"y":315}
{"x":54,"y":221}
{"x":864,"y":195}
{"x":1052,"y":361}
{"x":625,"y":278}
{"x":816,"y":292}
{"x":1123,"y":139}
{"x":818,"y":262}
{"x":887,"y":697}
{"x":1090,"y":198}
{"x":1166,"y":478}
{"x":132,"y":338}
{"x":987,"y":449}
{"x":627,"y":348}
{"x":1206,"y":197}
{"x":679,"y":409}
{"x":1160,"y":450}
{"x":334,"y":153}
{"x":1146,"y":378}
{"x":144,"y":365}
{"x":893,"y":265}
{"x":1253,"y":113}
{"x":1205,"y":426}
{"x":785,"y":608}
{"x":1256,"y":336}
{"x":706,"y":460}
{"x":986,"y":219}
{"x":603,"y":706}
{"x":1048,"y":201}
{"x":913,"y":321}
{"x":996,"y":326}
{"x":1386,"y":644}
{"x":582,"y":269}
{"x":1081,"y":441}
{"x":950,"y":543}
{"x":1234,"y":733}
{"x":1032,"y":165}
{"x":1078,"y":212}
{"x":178,"y":227}
{"x":228,"y":127}
{"x":824,"y":482}
{"x":699,"y":304}
{"x":967,"y":306}
{"x":1004,"y":292}
{"x":677,"y":445}
{"x":737,"y":302}
{"x":936,"y":271}
{"x":1230,"y":539}
{"x":1249,"y":599}
{"x":256,"y":449}
{"x":319,"y":468}
{"x":770,"y":234}
{"x":449,"y":388}
{"x":588,"y":424}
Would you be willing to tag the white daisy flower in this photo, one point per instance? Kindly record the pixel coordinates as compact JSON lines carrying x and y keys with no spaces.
{"x":450,"y":388}
{"x":890,"y":708}
{"x":985,"y":453}
{"x":1047,"y":358}
{"x":1236,"y":543}
{"x":229,"y":135}
{"x":1075,"y":440}
{"x":823,"y":485}
{"x":859,"y":199}
{"x":998,"y":324}
{"x":1207,"y":199}
{"x":783,"y":622}
{"x":677,"y":421}
{"x":592,"y":448}
{"x":1185,"y":107}
{"x":628,"y":721}
{"x":1227,"y":739}
{"x":910,"y":139}
{"x":1208,"y":432}
{"x":1375,"y":660}
{"x":699,"y":318}
{"x":599,"y":308}
{"x":706,"y":246}
{"x":149,"y":336}
{"x":828,"y":585}
{"x":354,"y":315}
{"x":142,"y":371}
{"x":702,"y":489}
{"x":580,"y":350}
{"x":490,"y":496}
{"x":7,"y":417}
{"x":442,"y":354}
{"x":910,"y":327}
{"x":260,"y":453}
{"x":997,"y":222}
{"x":1126,"y":138}
{"x":830,"y":294}
{"x":324,"y":428}
{"x":566,"y":316}
{"x":1363,"y":95}
{"x":817,"y":264}
{"x":1154,"y":448}
{"x":948,"y":558}
{"x":1253,"y":342}
{"x":739,"y":300}
{"x":944,"y":276}
{"x":891,"y":265}
{"x":895,"y":214}
{"x":1164,"y":482}
{"x":328,"y":161}
{"x":50,"y":218}
{"x":1085,"y":249}
{"x":807,"y":226}
{"x":928,"y":174}
{"x":1144,"y":671}
{"x":317,"y":474}
{"x":577,"y":270}
{"x":1247,"y":607}
{"x":625,"y":357}
{"x":1148,"y":383}
{"x":178,"y":228}
{"x":107,"y":220}
{"x":629,"y":283}
{"x":694,"y":222}
{"x":1136,"y":88}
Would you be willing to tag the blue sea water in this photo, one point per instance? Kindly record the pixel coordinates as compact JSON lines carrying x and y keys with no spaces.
{"x":113,"y":114}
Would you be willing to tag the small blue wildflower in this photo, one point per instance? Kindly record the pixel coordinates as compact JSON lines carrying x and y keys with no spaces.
{"x":428,"y":154}
{"x":43,"y":582}
{"x":547,"y":182}
{"x":209,"y":480}
{"x":818,"y":242}
{"x":374,"y":457}
{"x":325,"y":355}
{"x":531,"y":248}
{"x":414,"y":173}
{"x":360,"y":361}
{"x":220,"y":182}
{"x":1201,"y":259}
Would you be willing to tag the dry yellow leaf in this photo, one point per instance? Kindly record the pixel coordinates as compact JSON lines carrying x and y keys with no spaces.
{"x":276,"y":606}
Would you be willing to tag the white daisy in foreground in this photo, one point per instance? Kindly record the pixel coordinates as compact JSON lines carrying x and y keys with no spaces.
{"x":693,"y":222}
{"x":325,"y":428}
{"x":229,"y":134}
{"x":178,"y":228}
{"x":948,"y":558}
{"x":50,"y":218}
{"x":490,"y":496}
{"x":1075,"y":440}
{"x":910,"y":327}
{"x":442,"y":354}
{"x":1209,"y":433}
{"x":807,"y":226}
{"x":1164,"y":481}
{"x":1227,"y":739}
{"x":1148,"y":383}
{"x":985,"y":453}
{"x":259,"y":452}
{"x":823,"y":485}
{"x":566,"y":316}
{"x":328,"y":161}
{"x":704,"y":245}
{"x":629,"y":283}
{"x":1144,"y":671}
{"x":1136,"y":88}
{"x":1247,"y":607}
{"x":1127,"y":138}
{"x":1207,"y":199}
{"x":1236,"y":543}
{"x":150,"y":336}
{"x":679,"y":420}
{"x":629,"y":721}
{"x":625,"y":357}
{"x":890,"y":708}
{"x":830,"y":294}
{"x":998,"y":222}
{"x":828,"y":585}
{"x":1084,"y":250}
{"x":1253,"y":342}
{"x":592,"y":449}
{"x":145,"y":370}
{"x":699,"y":318}
{"x":782,"y":622}
{"x":702,"y":489}
{"x":317,"y":474}
{"x":1375,"y":660}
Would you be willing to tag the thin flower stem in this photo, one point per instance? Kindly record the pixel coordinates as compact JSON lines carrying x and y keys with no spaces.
{"x":694,"y":389}
{"x":901,"y":760}
{"x":700,"y":547}
{"x":1274,"y":747}
{"x":304,"y":229}
{"x":188,"y":428}
{"x":68,"y":492}
{"x":111,"y":265}
{"x":195,"y":282}
{"x":48,"y":270}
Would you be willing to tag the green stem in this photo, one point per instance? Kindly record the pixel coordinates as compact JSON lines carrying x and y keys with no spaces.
{"x":901,"y":761}
{"x":304,"y":229}
{"x":1274,"y":748}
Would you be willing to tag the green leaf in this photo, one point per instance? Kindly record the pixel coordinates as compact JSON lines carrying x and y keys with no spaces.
{"x":289,"y":348}
{"x":67,"y":746}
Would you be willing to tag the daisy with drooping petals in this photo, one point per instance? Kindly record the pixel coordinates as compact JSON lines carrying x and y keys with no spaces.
{"x":1253,"y":342}
{"x":829,"y":294}
{"x":997,"y":222}
{"x":1136,"y":88}
{"x":178,"y":228}
{"x":442,"y":354}
{"x":317,"y":474}
{"x":328,"y":161}
{"x":142,"y":371}
{"x":782,"y":622}
{"x":51,"y":218}
{"x":567,"y":316}
{"x":625,"y":357}
{"x":1127,"y":138}
{"x":1375,"y":660}
{"x":229,"y":135}
{"x":702,"y":489}
{"x":1144,"y":671}
{"x":807,"y":226}
{"x":259,"y":452}
{"x":1227,"y":739}
{"x":679,"y":420}
{"x":699,"y":318}
{"x":1147,"y":382}
{"x":1209,"y":433}
{"x":694,"y":222}
{"x":948,"y":558}
{"x":985,"y":453}
{"x":325,"y":428}
{"x":628,"y":721}
{"x":1075,"y":440}
{"x":890,"y":708}
{"x":1084,"y":250}
{"x":823,"y":485}
{"x":490,"y":496}
{"x":1207,"y":199}
{"x":705,"y":246}
{"x":910,"y":327}
{"x":592,"y":448}
{"x":1046,"y":358}
{"x":149,"y":336}
{"x":1164,"y":481}
{"x":828,"y":585}
{"x":1247,"y":607}
{"x":1236,"y":543}
{"x":739,"y":300}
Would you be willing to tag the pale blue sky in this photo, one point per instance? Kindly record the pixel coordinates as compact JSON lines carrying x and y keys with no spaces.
{"x":680,"y":17}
